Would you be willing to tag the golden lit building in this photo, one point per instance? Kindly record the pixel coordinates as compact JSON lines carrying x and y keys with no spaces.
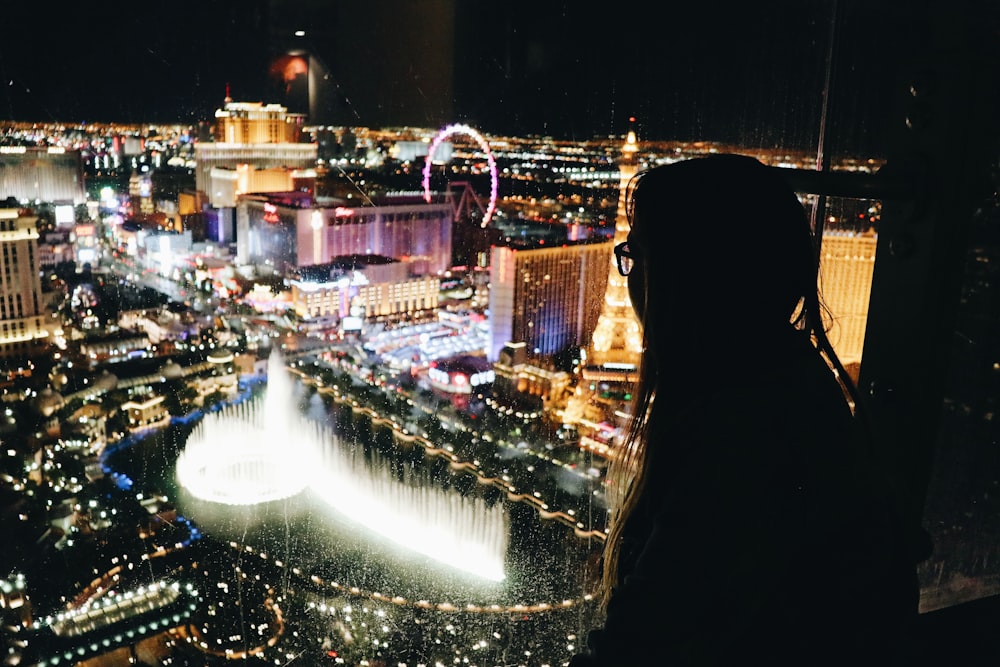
{"x":146,"y":413}
{"x":617,"y":339}
{"x":251,"y":137}
{"x":609,"y":364}
{"x":256,"y":123}
{"x":515,"y":375}
{"x":24,"y":325}
{"x":847,"y":263}
{"x":228,"y":183}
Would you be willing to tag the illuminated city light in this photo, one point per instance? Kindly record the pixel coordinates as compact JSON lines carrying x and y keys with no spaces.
{"x":249,"y":454}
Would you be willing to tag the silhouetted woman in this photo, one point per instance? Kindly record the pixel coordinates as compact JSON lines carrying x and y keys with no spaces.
{"x":749,"y":525}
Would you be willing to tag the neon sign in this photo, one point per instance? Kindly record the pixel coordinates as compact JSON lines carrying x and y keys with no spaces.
{"x":271,"y":214}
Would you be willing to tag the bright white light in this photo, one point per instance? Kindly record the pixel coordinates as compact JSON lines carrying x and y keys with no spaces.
{"x":251,"y":453}
{"x":461,"y":532}
{"x":165,"y":254}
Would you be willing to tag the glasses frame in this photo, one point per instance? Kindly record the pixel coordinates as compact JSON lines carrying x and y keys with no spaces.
{"x":624,"y":258}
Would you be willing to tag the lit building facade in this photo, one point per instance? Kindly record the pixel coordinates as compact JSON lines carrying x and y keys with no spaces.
{"x":516,"y":376}
{"x":226,"y":184}
{"x":24,"y":326}
{"x":256,"y":123}
{"x":114,"y":348}
{"x":617,"y":339}
{"x":252,"y":137}
{"x":51,"y":254}
{"x":543,"y":295}
{"x":609,"y":365}
{"x":847,"y":264}
{"x":41,"y":174}
{"x":140,"y":192}
{"x":85,"y":243}
{"x":287,"y":231}
{"x":146,"y":413}
{"x":222,"y":377}
{"x":162,"y":250}
{"x":360,"y":288}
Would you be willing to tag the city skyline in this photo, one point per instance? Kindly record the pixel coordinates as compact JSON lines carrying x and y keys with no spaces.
{"x":155,"y":330}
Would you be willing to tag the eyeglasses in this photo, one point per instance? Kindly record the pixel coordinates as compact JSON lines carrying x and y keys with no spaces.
{"x":624,"y":257}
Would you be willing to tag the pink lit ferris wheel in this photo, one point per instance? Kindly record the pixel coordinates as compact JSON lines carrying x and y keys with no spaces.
{"x":468,"y":131}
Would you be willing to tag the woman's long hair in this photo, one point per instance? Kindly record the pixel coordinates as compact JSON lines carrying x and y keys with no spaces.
{"x":752,"y":227}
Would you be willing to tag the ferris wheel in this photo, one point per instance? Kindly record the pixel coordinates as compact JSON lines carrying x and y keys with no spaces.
{"x":458,"y":128}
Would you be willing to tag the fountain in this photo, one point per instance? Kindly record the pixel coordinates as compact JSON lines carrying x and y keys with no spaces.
{"x":260,"y":451}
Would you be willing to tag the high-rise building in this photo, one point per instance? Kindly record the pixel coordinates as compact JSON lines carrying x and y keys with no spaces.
{"x":24,"y":325}
{"x":256,"y":148}
{"x":542,"y":295}
{"x":41,"y":174}
{"x":256,"y":123}
{"x":847,"y":264}
{"x":287,"y":231}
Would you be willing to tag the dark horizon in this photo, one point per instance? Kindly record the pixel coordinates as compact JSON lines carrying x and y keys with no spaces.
{"x":736,"y":74}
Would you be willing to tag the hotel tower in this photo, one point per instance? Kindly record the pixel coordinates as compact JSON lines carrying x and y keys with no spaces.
{"x":24,"y":324}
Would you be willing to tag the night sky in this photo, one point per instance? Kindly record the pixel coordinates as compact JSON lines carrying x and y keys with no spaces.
{"x":751,"y":73}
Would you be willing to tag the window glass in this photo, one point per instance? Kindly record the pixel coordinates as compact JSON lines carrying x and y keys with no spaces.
{"x":961,"y":499}
{"x":848,"y":236}
{"x":217,"y":461}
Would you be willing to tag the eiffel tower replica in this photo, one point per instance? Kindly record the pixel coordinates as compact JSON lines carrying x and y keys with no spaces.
{"x":610,"y":364}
